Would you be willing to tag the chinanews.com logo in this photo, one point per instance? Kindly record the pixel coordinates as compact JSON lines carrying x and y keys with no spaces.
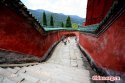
{"x":110,"y":78}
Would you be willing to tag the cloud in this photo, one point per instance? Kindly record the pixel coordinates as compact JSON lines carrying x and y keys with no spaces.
{"x":68,"y":7}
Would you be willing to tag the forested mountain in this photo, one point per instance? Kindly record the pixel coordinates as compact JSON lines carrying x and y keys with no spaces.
{"x":58,"y":17}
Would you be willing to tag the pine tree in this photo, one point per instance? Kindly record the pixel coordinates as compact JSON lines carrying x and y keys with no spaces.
{"x":51,"y":21}
{"x":62,"y":24}
{"x":68,"y":22}
{"x":44,"y":19}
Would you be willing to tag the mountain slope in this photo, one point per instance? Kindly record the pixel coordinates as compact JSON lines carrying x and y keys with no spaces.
{"x":58,"y":17}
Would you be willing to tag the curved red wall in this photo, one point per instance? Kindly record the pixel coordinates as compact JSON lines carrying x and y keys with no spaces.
{"x":108,"y":50}
{"x":16,"y":34}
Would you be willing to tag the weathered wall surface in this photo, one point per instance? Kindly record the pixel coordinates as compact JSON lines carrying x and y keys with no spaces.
{"x":96,"y":10}
{"x":108,"y":50}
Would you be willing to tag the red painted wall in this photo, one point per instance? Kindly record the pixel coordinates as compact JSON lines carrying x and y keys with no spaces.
{"x":96,"y":10}
{"x":16,"y":34}
{"x":108,"y":50}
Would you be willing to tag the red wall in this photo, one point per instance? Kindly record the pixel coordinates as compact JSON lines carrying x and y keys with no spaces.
{"x":16,"y":34}
{"x":96,"y":10}
{"x":108,"y":50}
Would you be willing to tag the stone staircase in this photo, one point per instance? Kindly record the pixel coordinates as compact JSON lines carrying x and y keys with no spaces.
{"x":44,"y":73}
{"x":66,"y":65}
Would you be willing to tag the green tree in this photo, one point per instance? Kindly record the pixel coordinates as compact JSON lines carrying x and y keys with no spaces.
{"x":62,"y":24}
{"x":68,"y":22}
{"x":51,"y":21}
{"x":44,"y":19}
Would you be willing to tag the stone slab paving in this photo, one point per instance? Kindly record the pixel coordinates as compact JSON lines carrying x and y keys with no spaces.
{"x":66,"y":65}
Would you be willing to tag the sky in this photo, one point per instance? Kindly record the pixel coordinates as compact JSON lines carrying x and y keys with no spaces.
{"x":67,"y":7}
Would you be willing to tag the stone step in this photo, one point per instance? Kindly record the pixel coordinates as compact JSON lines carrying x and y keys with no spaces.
{"x":27,"y":77}
{"x":44,"y":76}
{"x":61,"y":80}
{"x":47,"y":81}
{"x":22,"y":70}
{"x":58,"y":72}
{"x":16,"y":79}
{"x":9,"y":75}
{"x":51,"y":65}
{"x":62,"y":70}
{"x":75,"y":78}
{"x":11,"y":70}
{"x":1,"y":78}
{"x":73,"y":75}
{"x":27,"y":81}
{"x":5,"y":73}
{"x":6,"y":80}
{"x":17,"y":68}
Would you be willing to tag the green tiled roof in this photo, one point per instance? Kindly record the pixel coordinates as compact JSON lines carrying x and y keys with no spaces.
{"x":90,"y":28}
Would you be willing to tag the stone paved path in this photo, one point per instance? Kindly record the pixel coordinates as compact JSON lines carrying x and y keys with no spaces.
{"x":66,"y":65}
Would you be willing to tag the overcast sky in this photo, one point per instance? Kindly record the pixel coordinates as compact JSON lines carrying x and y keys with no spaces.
{"x":68,"y":7}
